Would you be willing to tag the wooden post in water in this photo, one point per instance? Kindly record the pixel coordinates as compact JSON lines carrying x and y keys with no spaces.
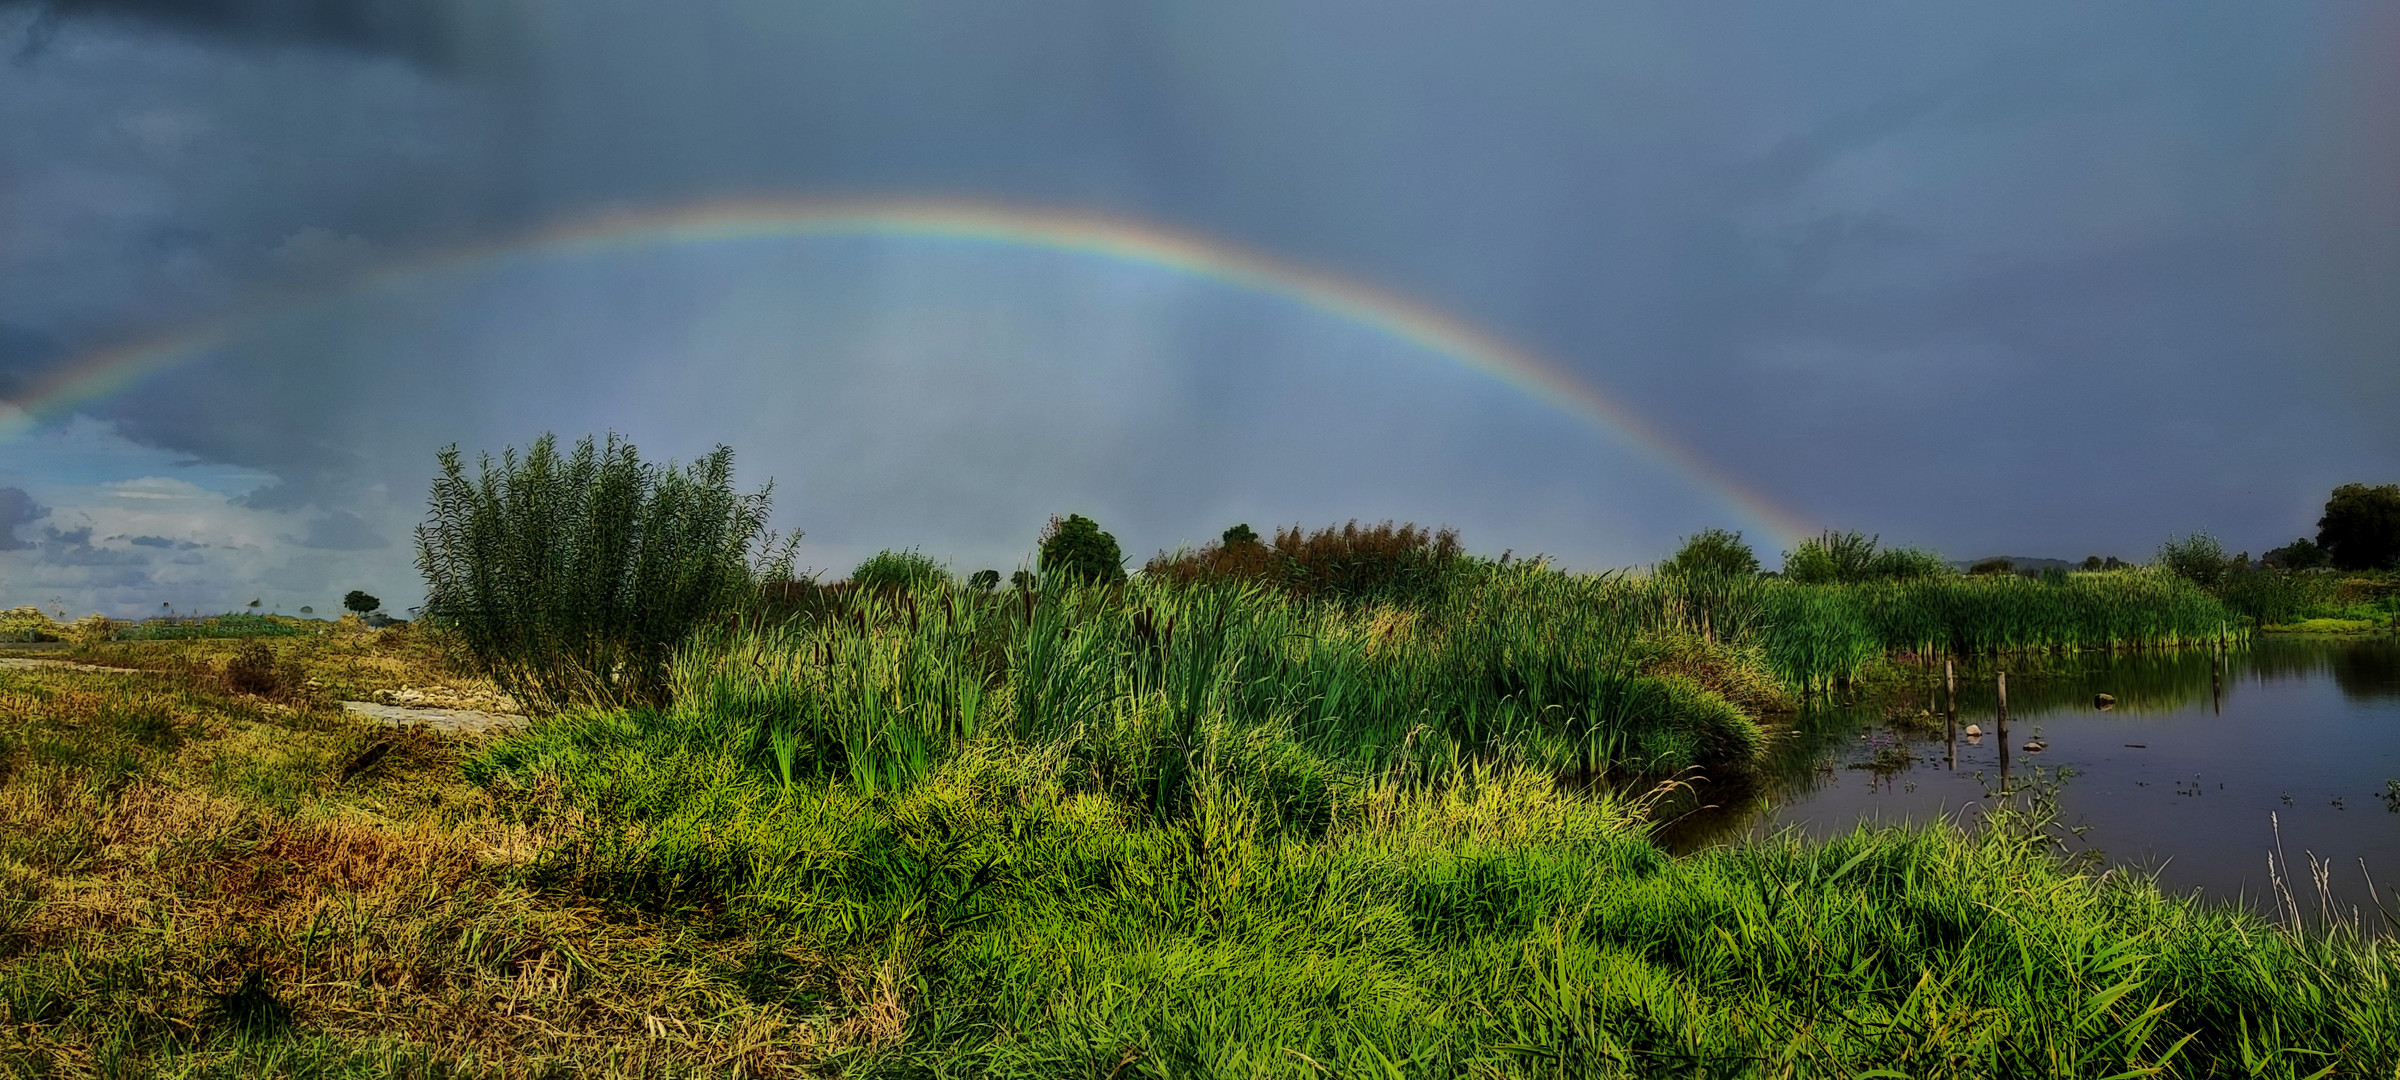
{"x":2216,"y":674}
{"x":2000,"y":720}
{"x":1950,"y":707}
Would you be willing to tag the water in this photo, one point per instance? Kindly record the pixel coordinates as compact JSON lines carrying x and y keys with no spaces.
{"x":2192,"y":774}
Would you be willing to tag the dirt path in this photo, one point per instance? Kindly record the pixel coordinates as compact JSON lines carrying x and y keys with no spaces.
{"x":467,"y":721}
{"x":38,"y":662}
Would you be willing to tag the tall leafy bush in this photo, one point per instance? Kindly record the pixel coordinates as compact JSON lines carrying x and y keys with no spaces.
{"x":572,"y":578}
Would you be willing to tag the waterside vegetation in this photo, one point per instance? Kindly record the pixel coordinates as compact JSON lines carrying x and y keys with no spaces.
{"x":1344,"y":801}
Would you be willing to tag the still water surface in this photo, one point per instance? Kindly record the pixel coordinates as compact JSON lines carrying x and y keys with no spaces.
{"x":2193,"y":773}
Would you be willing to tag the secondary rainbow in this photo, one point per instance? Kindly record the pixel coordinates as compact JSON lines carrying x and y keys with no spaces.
{"x":98,"y":374}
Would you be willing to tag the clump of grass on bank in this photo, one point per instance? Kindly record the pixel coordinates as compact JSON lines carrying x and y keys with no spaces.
{"x":1476,"y":921}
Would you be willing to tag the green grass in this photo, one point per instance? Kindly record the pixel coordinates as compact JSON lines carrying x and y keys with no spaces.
{"x":1119,"y":832}
{"x":1482,"y":921}
{"x":2327,"y":626}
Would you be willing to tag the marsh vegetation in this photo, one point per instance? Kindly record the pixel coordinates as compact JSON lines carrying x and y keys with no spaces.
{"x":1332,"y":801}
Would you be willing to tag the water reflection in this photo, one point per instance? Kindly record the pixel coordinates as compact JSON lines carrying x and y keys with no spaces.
{"x":2197,"y":765}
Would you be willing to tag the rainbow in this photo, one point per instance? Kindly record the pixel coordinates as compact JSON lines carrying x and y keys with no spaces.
{"x":98,"y":374}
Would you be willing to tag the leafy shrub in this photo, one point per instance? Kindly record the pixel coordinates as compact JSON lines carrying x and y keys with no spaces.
{"x":2361,"y":527}
{"x":1074,"y":546}
{"x":572,"y":578}
{"x":29,"y":624}
{"x":253,"y":669}
{"x":1712,"y":551}
{"x":1373,"y":563}
{"x":909,"y":569}
{"x":91,"y":630}
{"x":1238,"y":535}
{"x":1835,"y":558}
{"x":2197,"y":558}
{"x":984,"y":580}
{"x":360,"y":601}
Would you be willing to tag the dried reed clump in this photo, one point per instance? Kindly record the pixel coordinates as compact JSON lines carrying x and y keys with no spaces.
{"x":1385,"y":561}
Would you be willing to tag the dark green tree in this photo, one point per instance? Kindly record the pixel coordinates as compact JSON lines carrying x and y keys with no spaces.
{"x":1075,"y":547}
{"x":2300,"y":554}
{"x":1712,"y":551}
{"x":572,"y":578}
{"x":984,"y":580}
{"x":1239,"y":535}
{"x":1994,"y":565}
{"x":2361,"y":527}
{"x":360,"y":602}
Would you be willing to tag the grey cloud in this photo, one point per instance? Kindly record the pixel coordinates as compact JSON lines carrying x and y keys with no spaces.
{"x":160,"y":542}
{"x":74,"y":547}
{"x":17,"y":509}
{"x":426,"y":32}
{"x":341,"y":531}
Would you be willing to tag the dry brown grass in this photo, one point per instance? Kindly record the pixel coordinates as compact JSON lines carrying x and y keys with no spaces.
{"x":162,"y":840}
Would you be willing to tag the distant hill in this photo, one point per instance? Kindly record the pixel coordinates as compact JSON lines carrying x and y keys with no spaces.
{"x":2021,"y":563}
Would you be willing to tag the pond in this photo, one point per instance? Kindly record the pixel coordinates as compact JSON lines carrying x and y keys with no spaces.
{"x":2199,"y":769}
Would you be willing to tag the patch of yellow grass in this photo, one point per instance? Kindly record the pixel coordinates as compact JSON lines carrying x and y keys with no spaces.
{"x":160,"y":839}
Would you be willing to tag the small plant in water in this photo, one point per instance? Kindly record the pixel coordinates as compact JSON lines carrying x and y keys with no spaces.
{"x":2391,"y":796}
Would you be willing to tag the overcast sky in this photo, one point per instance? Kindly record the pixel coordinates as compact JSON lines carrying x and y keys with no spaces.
{"x":1989,"y":278}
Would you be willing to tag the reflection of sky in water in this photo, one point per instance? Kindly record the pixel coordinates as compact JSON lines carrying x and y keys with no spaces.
{"x":2302,"y":740}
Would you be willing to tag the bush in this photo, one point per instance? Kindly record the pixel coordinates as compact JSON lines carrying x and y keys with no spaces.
{"x":1713,"y":551}
{"x":359,"y":601}
{"x":1848,"y":557}
{"x":2197,"y":558}
{"x":984,"y":580}
{"x":900,"y":569}
{"x":1373,"y":563}
{"x":572,"y":578}
{"x":29,"y":624}
{"x":1075,"y":547}
{"x":2007,"y":566}
{"x":253,"y":670}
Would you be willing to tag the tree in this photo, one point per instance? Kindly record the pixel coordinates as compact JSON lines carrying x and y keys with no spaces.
{"x":360,"y":602}
{"x":2197,"y":558}
{"x":573,"y":578}
{"x":1075,"y":546}
{"x":1994,"y":565}
{"x":1712,"y":551}
{"x":984,"y":580}
{"x":1239,"y":535}
{"x":2361,"y":527}
{"x":2300,"y":554}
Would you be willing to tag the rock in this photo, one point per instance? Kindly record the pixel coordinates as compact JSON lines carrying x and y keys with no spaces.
{"x":2104,"y":701}
{"x":1974,"y":731}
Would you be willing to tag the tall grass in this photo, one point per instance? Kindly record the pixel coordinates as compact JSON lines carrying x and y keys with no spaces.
{"x":1139,"y":681}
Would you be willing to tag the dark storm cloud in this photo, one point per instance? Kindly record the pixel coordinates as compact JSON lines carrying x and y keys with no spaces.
{"x":1987,"y":277}
{"x":17,"y":509}
{"x":422,"y":31}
